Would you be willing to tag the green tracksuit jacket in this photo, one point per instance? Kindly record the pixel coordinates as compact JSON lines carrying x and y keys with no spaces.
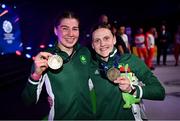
{"x":68,"y":86}
{"x":109,"y":100}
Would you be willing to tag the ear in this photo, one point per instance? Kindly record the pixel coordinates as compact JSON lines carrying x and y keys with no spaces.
{"x":114,"y":39}
{"x":92,"y":45}
{"x":55,"y":31}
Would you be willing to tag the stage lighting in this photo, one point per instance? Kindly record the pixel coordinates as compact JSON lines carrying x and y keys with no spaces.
{"x":28,"y":55}
{"x":87,"y":35}
{"x":2,"y":53}
{"x":28,"y":48}
{"x":42,"y":46}
{"x":18,"y":53}
{"x":50,"y":45}
{"x":3,"y":6}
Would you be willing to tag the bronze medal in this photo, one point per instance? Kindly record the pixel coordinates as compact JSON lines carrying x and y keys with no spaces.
{"x":55,"y":62}
{"x":113,"y":74}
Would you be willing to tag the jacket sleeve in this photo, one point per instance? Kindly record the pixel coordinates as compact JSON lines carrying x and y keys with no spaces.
{"x":152,"y":88}
{"x":31,"y":92}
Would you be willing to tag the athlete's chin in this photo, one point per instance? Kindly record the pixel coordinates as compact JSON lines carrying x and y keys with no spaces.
{"x":70,"y":44}
{"x":104,"y":55}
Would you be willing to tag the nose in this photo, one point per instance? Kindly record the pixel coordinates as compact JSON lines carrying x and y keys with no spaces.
{"x":101,"y":43}
{"x":70,"y":32}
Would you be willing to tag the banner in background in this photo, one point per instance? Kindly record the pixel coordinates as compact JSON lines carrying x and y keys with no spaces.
{"x":10,"y":34}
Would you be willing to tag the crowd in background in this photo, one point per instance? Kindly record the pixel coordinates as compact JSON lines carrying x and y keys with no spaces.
{"x":147,"y":42}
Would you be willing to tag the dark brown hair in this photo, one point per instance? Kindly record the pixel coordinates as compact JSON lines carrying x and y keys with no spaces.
{"x":66,"y":14}
{"x":98,"y":26}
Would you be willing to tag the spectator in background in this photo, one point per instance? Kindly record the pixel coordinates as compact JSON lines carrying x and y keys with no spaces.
{"x":122,"y":40}
{"x":150,"y":45}
{"x":128,"y":31}
{"x":120,"y":43}
{"x":177,"y":45}
{"x":155,"y":34}
{"x":114,"y":29}
{"x":162,"y":44}
{"x":103,"y":19}
{"x":140,"y":44}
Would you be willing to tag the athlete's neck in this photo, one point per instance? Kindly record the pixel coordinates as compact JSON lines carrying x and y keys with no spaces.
{"x":65,"y":49}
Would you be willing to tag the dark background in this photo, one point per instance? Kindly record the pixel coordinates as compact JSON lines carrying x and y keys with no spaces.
{"x":36,"y":16}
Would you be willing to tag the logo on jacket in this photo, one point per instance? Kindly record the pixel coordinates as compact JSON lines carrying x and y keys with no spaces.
{"x":96,"y":72}
{"x":83,"y":59}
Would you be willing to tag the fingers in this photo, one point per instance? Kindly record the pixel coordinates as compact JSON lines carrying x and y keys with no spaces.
{"x":122,"y":80}
{"x":124,"y":83}
{"x":43,"y":56}
{"x":125,"y":88}
{"x":41,"y":62}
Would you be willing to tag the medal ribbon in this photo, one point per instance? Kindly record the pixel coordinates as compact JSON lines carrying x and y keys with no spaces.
{"x":105,"y":66}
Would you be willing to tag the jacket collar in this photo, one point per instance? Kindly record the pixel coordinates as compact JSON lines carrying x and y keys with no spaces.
{"x":63,"y":54}
{"x":111,"y":56}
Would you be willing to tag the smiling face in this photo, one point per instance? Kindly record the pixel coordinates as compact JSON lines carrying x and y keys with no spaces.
{"x":103,"y":42}
{"x":67,"y":32}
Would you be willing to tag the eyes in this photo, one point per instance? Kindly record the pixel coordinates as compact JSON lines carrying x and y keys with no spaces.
{"x":67,"y":29}
{"x":104,"y":39}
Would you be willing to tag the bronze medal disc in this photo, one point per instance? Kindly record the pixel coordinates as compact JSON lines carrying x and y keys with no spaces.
{"x":113,"y":74}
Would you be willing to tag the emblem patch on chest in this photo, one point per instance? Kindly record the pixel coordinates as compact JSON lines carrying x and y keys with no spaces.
{"x":83,"y":59}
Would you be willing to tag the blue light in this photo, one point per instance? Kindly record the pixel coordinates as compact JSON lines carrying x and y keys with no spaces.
{"x":3,"y":6}
{"x":50,"y":45}
{"x":21,"y":44}
{"x":28,"y":56}
{"x":2,"y":53}
{"x":28,"y":48}
{"x":87,"y":35}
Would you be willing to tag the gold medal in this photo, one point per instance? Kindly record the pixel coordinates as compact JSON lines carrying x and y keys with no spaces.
{"x":55,"y":62}
{"x":113,"y":74}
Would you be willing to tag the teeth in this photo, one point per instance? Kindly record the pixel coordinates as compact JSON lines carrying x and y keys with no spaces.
{"x":69,"y":40}
{"x":103,"y":49}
